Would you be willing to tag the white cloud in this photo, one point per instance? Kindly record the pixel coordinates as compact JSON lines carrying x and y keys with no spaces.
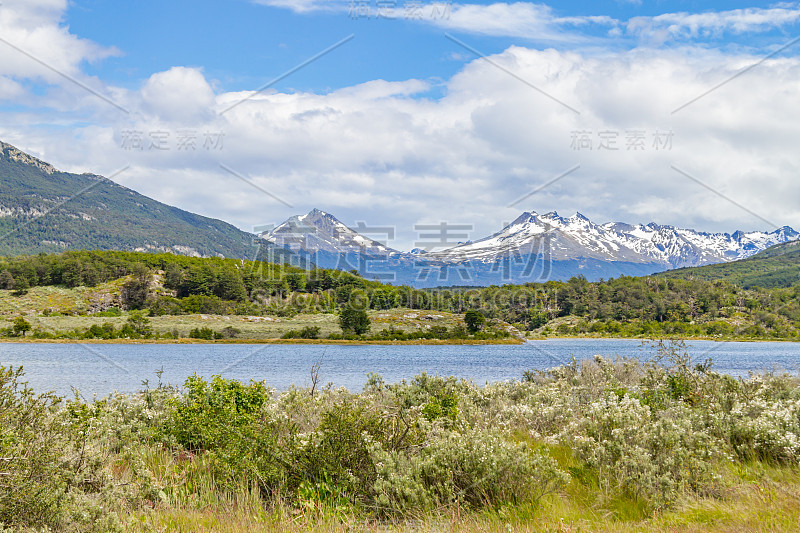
{"x":713,"y":24}
{"x":305,"y":6}
{"x":372,"y":152}
{"x":521,"y":19}
{"x":180,"y":94}
{"x":37,"y":46}
{"x":541,"y":23}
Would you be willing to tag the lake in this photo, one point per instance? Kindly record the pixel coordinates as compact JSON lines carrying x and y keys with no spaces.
{"x":103,"y":368}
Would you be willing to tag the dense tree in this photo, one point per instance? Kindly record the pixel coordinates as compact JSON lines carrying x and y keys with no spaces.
{"x":6,"y":280}
{"x":20,"y":327}
{"x":230,"y":286}
{"x":650,"y":305}
{"x":474,"y":320}
{"x":354,"y":320}
{"x":135,"y":292}
{"x":21,"y":285}
{"x":173,"y":276}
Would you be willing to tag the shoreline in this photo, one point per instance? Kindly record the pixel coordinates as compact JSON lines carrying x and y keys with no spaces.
{"x":665,"y":338}
{"x":419,"y":342}
{"x":368,"y":342}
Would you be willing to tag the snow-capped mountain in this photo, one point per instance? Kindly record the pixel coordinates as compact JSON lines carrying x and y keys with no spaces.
{"x":532,"y":248}
{"x":318,"y":231}
{"x":578,"y":237}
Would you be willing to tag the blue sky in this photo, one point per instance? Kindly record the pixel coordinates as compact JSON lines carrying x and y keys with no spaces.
{"x":404,"y":125}
{"x":241,"y":44}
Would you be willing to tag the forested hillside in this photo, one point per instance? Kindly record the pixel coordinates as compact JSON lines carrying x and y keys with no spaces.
{"x":778,"y":266}
{"x":45,"y":210}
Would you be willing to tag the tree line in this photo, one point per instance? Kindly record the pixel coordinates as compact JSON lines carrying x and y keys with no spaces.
{"x":170,"y":284}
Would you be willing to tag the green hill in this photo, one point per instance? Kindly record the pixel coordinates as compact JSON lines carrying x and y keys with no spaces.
{"x":778,"y":266}
{"x":45,"y":210}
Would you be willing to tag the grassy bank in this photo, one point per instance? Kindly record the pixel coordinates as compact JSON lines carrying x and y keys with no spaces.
{"x":738,"y":328}
{"x":57,"y":313}
{"x":600,"y":446}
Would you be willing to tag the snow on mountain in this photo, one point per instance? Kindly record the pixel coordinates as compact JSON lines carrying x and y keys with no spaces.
{"x":571,"y":241}
{"x":578,"y":237}
{"x":320,"y":231}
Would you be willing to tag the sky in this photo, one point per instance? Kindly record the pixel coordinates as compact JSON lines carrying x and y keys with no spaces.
{"x":402,"y":113}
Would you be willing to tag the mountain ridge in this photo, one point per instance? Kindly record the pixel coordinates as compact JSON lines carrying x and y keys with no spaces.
{"x":43,"y":209}
{"x":40,"y":211}
{"x":562,"y":247}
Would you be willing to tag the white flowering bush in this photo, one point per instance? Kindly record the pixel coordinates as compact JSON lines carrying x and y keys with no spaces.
{"x":651,"y":455}
{"x":761,"y":427}
{"x":471,"y":469}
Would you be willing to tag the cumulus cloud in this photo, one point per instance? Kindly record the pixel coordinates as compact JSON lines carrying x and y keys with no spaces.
{"x":36,"y":45}
{"x":381,"y":153}
{"x":180,"y":94}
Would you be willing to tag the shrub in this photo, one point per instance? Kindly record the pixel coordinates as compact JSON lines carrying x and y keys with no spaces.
{"x":338,"y":450}
{"x":204,"y":333}
{"x":473,"y":469}
{"x":106,"y":331}
{"x":635,"y":452}
{"x":230,"y":332}
{"x":310,"y":332}
{"x":442,"y":405}
{"x":45,"y":464}
{"x":137,"y":325}
{"x":200,"y":303}
{"x":164,"y":305}
{"x":110,"y":312}
{"x":20,"y":327}
{"x":232,"y":422}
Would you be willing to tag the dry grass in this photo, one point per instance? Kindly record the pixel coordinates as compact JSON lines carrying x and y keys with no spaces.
{"x":767,"y":505}
{"x":71,"y":305}
{"x":752,"y":497}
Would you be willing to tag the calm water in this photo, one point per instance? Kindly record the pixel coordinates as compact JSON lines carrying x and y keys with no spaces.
{"x":103,"y":368}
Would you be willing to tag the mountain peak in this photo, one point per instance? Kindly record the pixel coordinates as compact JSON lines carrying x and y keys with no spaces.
{"x":12,"y":153}
{"x":318,"y":213}
{"x":525,"y":217}
{"x":318,"y":231}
